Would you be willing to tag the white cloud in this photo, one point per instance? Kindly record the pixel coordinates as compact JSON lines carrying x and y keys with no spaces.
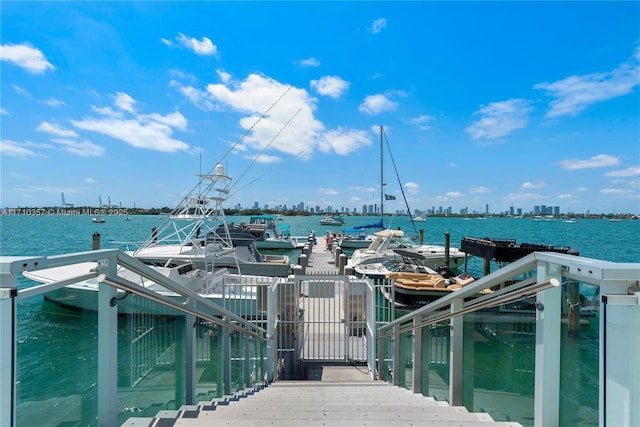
{"x":530,"y":186}
{"x":575,"y":94}
{"x":499,"y":119}
{"x":259,"y":95}
{"x":454,"y":194}
{"x":124,"y":102}
{"x":309,"y":62}
{"x":378,"y":25}
{"x":328,"y":191}
{"x":264,"y":158}
{"x":197,"y":97}
{"x":343,"y":141}
{"x":20,"y":90}
{"x":83,"y":149}
{"x":4,"y":111}
{"x":331,"y":86}
{"x":421,"y":121}
{"x":376,"y":104}
{"x":202,"y":47}
{"x":56,"y":130}
{"x":52,"y":102}
{"x":623,"y":173}
{"x":479,"y":190}
{"x":412,"y":187}
{"x":223,"y":76}
{"x":151,"y":131}
{"x":90,"y":180}
{"x":14,"y":149}
{"x":615,"y":191}
{"x":599,"y":161}
{"x":25,"y":56}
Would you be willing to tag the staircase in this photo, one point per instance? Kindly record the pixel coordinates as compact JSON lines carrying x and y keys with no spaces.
{"x":318,"y":403}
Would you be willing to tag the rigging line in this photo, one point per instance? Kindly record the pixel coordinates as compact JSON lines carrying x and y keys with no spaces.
{"x":257,"y":178}
{"x":185,"y":199}
{"x":255,"y":159}
{"x":399,"y":182}
{"x":255,"y":123}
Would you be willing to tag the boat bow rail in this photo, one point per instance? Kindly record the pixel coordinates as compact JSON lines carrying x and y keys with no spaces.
{"x":538,"y":274}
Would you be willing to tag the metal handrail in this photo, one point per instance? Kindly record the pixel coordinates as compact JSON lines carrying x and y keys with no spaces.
{"x":492,"y":302}
{"x":521,"y":266}
{"x":131,"y":287}
{"x":144,"y":270}
{"x":147,"y":272}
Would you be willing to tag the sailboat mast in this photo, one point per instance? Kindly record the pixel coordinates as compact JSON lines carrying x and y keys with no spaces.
{"x":381,"y":182}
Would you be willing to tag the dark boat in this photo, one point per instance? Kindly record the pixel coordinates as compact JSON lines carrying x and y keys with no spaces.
{"x":507,"y":250}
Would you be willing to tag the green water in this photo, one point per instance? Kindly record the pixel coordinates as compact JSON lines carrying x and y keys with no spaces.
{"x":57,"y":348}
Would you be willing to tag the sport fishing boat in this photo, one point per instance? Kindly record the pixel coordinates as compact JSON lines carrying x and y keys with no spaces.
{"x":196,"y":232}
{"x":233,"y":292}
{"x":194,"y":248}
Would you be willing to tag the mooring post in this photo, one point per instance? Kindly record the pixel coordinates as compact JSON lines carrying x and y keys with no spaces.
{"x":421,"y":236}
{"x":447,"y":238}
{"x":95,"y":242}
{"x":303,"y":261}
{"x":342,"y":263}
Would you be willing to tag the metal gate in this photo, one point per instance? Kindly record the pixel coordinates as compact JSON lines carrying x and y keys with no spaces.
{"x":323,"y":318}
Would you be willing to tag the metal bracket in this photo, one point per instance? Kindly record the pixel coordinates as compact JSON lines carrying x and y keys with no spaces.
{"x":7,"y":293}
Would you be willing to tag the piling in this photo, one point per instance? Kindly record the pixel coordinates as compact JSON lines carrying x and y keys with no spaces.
{"x":486,"y":270}
{"x":342,"y":262}
{"x":337,"y":253}
{"x":95,"y":241}
{"x":421,"y":232}
{"x":447,"y":239}
{"x":303,"y":260}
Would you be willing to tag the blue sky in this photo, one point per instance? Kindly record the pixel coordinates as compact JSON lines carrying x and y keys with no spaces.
{"x":500,"y":103}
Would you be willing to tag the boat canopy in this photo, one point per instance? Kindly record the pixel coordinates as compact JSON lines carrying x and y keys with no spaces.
{"x":389,"y":233}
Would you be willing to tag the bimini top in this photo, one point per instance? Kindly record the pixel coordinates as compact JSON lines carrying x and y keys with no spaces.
{"x":389,"y":233}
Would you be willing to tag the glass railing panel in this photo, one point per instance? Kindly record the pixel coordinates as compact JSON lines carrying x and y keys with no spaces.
{"x":499,"y":362}
{"x":435,"y":361}
{"x":209,"y":365}
{"x":57,"y":365}
{"x":386,"y":355}
{"x":579,"y":355}
{"x":238,"y":358}
{"x":151,"y":358}
{"x":57,"y":358}
{"x":405,"y":368}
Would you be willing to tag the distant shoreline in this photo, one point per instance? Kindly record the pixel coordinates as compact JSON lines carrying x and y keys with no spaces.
{"x":120,"y":211}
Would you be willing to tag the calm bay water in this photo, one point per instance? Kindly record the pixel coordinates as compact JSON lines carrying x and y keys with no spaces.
{"x":56,"y":347}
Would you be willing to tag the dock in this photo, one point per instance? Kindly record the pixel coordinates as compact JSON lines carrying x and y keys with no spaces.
{"x":336,"y":390}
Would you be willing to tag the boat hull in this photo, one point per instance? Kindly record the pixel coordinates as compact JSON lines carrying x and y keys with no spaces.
{"x":85,"y":297}
{"x":275,"y":244}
